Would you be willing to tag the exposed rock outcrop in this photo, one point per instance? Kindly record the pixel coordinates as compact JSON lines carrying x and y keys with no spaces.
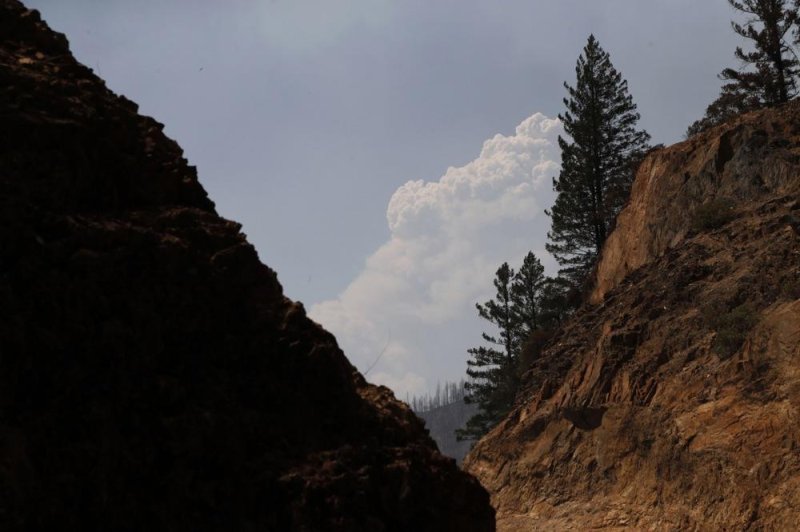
{"x":673,"y":401}
{"x":152,"y":374}
{"x":751,"y":157}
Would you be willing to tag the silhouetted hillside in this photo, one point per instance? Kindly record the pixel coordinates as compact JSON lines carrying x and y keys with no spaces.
{"x":152,"y":374}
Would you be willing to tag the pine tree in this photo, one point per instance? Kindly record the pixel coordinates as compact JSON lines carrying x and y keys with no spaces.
{"x":492,"y":373}
{"x":775,"y":78}
{"x":526,"y":295}
{"x":769,"y":72}
{"x":596,"y":165}
{"x":558,"y":300}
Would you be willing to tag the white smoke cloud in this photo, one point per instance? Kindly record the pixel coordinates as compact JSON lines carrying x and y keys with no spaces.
{"x":410,"y":314}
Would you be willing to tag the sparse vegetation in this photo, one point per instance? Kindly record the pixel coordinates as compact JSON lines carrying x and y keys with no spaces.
{"x":712,"y":214}
{"x":533,"y":347}
{"x":731,"y":326}
{"x":791,"y":289}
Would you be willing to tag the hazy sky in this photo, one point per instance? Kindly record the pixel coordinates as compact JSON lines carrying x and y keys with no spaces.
{"x":329,"y":129}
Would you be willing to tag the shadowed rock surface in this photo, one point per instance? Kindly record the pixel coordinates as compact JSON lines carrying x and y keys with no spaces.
{"x":673,"y":401}
{"x":152,"y":374}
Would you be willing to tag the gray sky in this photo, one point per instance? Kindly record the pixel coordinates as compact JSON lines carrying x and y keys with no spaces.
{"x":306,"y":117}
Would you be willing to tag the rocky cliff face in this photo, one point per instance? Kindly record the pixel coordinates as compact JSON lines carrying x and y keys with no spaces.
{"x":672,"y":402}
{"x":152,"y":374}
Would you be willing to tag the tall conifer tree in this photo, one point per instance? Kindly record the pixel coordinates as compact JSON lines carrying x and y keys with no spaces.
{"x":597,"y":162}
{"x":492,"y":368}
{"x":526,"y":296}
{"x":769,"y":72}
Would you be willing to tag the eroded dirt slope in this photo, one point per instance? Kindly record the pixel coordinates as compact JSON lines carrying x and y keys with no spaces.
{"x":673,"y":401}
{"x":152,"y":374}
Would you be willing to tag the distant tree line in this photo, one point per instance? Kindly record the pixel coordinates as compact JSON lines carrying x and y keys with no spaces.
{"x":445,"y":394}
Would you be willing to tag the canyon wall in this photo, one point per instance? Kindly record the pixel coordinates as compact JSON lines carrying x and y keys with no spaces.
{"x":152,"y":374}
{"x":672,"y":400}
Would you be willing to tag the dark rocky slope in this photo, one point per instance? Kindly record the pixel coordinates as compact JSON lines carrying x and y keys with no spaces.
{"x":152,"y":374}
{"x":673,"y":401}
